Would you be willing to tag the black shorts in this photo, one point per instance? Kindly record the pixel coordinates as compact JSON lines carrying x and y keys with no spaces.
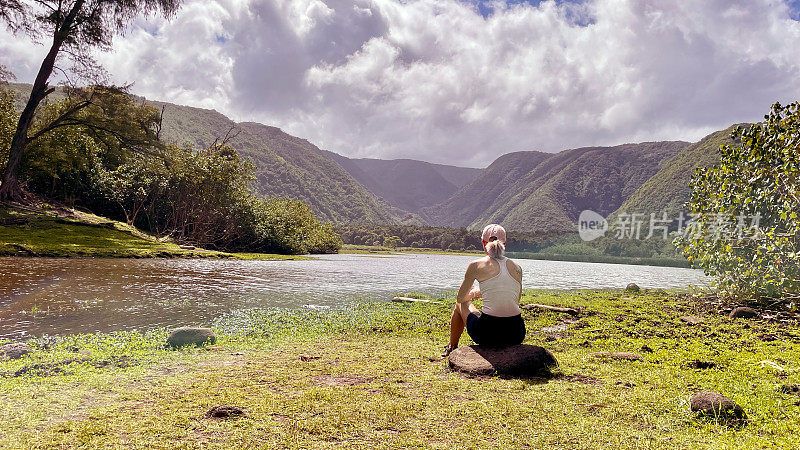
{"x":491,"y":331}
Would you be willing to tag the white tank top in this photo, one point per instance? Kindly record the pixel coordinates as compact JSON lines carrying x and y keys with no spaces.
{"x":500,"y":293}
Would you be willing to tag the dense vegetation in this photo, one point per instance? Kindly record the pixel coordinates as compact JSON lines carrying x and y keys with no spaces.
{"x":75,"y":30}
{"x":285,"y":166}
{"x":110,"y":159}
{"x":746,"y":230}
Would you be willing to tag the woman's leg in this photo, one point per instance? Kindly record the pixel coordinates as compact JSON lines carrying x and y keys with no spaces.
{"x":458,"y":321}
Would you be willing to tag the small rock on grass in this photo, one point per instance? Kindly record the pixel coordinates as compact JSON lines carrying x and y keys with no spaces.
{"x":632,"y":287}
{"x":717,"y":406}
{"x":15,"y":350}
{"x":743,"y":312}
{"x":225,"y":411}
{"x":691,"y":320}
{"x":191,"y":336}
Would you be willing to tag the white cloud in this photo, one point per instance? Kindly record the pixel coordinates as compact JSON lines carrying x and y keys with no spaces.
{"x":435,"y":80}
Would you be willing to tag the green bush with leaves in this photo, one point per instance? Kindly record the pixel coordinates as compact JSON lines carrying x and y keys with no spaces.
{"x":745,"y":230}
{"x":289,"y":226}
{"x":392,"y":242}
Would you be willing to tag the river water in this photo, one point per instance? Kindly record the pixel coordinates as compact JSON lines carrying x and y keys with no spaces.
{"x":56,"y":296}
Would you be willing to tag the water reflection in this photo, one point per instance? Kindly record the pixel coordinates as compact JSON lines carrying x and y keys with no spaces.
{"x":62,"y":296}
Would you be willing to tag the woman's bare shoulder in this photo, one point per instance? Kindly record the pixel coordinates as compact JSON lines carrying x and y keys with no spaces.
{"x":512,"y":265}
{"x":479,"y":261}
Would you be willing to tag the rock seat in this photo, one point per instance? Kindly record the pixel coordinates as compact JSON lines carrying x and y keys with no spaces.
{"x":518,"y":360}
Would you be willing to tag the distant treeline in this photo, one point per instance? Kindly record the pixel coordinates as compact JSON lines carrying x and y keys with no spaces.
{"x":444,"y":238}
{"x":552,"y":245}
{"x":108,"y":158}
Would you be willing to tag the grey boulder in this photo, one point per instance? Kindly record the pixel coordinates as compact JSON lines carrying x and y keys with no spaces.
{"x":517,"y":360}
{"x":632,"y":287}
{"x":191,"y":336}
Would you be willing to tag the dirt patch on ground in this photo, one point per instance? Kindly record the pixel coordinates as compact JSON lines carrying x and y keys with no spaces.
{"x":340,"y":380}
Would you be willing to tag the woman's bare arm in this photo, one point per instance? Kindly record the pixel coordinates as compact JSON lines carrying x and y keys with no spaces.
{"x":466,"y":285}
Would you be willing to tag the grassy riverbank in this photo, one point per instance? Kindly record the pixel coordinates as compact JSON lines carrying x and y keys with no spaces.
{"x":45,"y":230}
{"x":371,"y":376}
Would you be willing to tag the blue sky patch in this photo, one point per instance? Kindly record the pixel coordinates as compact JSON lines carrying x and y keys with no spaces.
{"x":794,"y":9}
{"x":486,"y":9}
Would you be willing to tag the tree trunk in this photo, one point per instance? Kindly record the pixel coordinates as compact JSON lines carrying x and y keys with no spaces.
{"x":10,"y":189}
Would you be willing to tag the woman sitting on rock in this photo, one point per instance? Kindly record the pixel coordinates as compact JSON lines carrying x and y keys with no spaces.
{"x":499,"y":322}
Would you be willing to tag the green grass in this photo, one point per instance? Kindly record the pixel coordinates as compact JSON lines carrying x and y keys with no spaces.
{"x":52,"y":232}
{"x":377,"y":381}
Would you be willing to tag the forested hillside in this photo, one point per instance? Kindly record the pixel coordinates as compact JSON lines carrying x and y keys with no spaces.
{"x":531,"y":191}
{"x":597,"y":178}
{"x":286,"y":166}
{"x":668,"y":189}
{"x":475,"y":197}
{"x":525,"y":191}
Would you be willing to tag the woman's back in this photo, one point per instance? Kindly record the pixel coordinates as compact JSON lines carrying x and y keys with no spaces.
{"x":500,"y":292}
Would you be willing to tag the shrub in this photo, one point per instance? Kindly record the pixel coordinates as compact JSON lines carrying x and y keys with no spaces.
{"x":744,"y":228}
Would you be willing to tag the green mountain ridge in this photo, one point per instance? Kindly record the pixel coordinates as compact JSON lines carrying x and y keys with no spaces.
{"x":407,"y":184}
{"x":525,"y":191}
{"x":473,"y":198}
{"x":533,"y":191}
{"x":286,"y":166}
{"x":668,"y":190}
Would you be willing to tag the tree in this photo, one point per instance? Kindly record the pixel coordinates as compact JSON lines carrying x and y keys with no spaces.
{"x":66,"y":162}
{"x":745,"y":229}
{"x":392,"y":242}
{"x":75,"y":27}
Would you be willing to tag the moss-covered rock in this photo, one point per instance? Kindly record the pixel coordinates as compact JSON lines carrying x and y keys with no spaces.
{"x":191,"y":336}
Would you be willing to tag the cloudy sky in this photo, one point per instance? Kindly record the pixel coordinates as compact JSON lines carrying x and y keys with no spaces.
{"x":463,"y":82}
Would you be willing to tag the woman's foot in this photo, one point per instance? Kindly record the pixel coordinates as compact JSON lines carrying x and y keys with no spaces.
{"x":447,"y":350}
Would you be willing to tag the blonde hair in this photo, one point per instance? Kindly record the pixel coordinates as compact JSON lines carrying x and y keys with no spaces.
{"x":496,"y":249}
